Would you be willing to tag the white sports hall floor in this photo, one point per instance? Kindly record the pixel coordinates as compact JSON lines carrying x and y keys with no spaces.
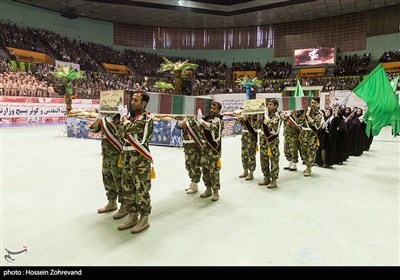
{"x":51,"y":188}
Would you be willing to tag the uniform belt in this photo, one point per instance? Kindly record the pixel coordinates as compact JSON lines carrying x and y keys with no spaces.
{"x":188,"y":141}
{"x":262,"y":133}
{"x":128,"y":148}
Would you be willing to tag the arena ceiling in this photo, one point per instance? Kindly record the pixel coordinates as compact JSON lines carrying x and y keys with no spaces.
{"x":209,"y":13}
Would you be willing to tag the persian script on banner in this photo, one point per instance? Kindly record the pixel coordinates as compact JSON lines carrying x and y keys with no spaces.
{"x":110,"y":100}
{"x":254,"y":106}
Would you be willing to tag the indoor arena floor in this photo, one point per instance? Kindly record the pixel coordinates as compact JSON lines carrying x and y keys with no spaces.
{"x":51,"y":188}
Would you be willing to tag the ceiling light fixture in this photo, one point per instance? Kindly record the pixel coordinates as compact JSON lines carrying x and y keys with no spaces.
{"x":180,"y":2}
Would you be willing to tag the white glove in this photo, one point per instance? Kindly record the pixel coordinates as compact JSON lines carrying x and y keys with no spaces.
{"x":266,"y":119}
{"x":199,"y":116}
{"x":100,"y":116}
{"x":123,"y":111}
{"x":266,"y":116}
{"x":308,"y":111}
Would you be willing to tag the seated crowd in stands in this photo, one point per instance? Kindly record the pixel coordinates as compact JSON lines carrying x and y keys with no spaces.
{"x":210,"y":78}
{"x":390,"y":56}
{"x":352,"y":65}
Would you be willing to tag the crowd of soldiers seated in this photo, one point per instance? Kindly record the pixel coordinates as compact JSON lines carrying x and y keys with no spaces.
{"x":22,"y":83}
{"x":35,"y":80}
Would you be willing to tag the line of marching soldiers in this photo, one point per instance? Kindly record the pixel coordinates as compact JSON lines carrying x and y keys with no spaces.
{"x":127,"y":162}
{"x":300,"y":133}
{"x":323,"y":138}
{"x":127,"y":165}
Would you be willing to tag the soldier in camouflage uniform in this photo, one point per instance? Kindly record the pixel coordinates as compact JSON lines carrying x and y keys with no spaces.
{"x":211,"y":130}
{"x":136,"y":162}
{"x":269,"y":144}
{"x":291,"y":134}
{"x":250,"y":124}
{"x":111,"y":145}
{"x":192,"y":146}
{"x":310,"y":121}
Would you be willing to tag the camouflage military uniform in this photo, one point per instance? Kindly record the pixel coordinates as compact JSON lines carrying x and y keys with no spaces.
{"x":250,"y":126}
{"x":291,"y":134}
{"x":110,"y":148}
{"x":211,"y":153}
{"x":308,"y":136}
{"x":269,"y":146}
{"x":136,"y":164}
{"x":192,"y":149}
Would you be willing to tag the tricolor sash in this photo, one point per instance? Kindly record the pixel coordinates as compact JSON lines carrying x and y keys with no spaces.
{"x":140,"y":146}
{"x":142,"y":149}
{"x":292,"y":121}
{"x":192,"y":134}
{"x":108,"y":132}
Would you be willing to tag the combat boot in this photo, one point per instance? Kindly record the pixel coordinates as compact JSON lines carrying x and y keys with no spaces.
{"x":293,"y":167}
{"x":206,"y":193}
{"x":288,"y":166}
{"x":111,"y":206}
{"x":142,"y":224}
{"x":250,"y":176}
{"x":193,"y":189}
{"x":264,"y":182}
{"x":122,"y":212}
{"x":244,"y":174}
{"x":272,"y":185}
{"x":307,"y":171}
{"x":189,"y":187}
{"x":131,"y":222}
{"x":215,"y":195}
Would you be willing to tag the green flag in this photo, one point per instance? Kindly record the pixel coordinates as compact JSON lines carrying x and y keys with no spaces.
{"x":383,"y":107}
{"x":310,"y":94}
{"x":299,"y":91}
{"x":394,"y":83}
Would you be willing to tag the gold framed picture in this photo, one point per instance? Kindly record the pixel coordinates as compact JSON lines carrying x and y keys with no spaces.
{"x":254,"y":106}
{"x":110,"y":100}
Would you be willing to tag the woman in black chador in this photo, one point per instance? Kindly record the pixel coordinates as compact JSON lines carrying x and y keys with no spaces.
{"x":328,"y":137}
{"x":357,"y":133}
{"x":341,"y":143}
